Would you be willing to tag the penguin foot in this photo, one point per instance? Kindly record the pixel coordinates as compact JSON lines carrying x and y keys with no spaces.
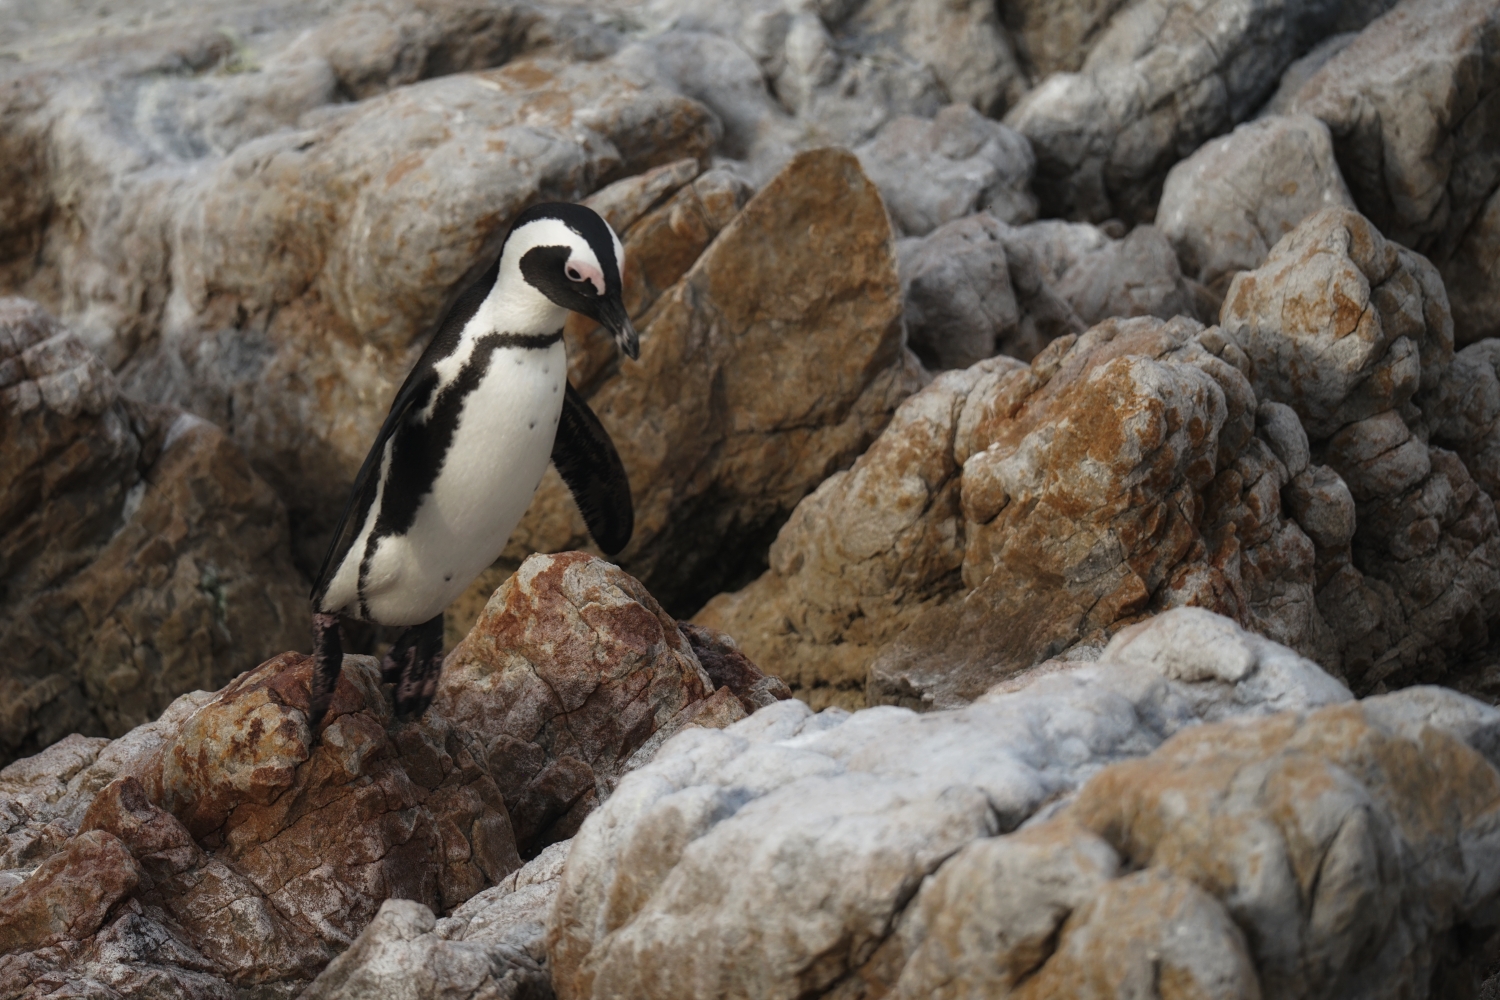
{"x":414,"y":664}
{"x":328,"y":660}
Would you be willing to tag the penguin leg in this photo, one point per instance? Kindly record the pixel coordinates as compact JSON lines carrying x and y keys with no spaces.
{"x":328,"y":660}
{"x":414,"y":665}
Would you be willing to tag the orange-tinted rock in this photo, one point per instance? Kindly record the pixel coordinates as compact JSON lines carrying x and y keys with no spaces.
{"x":67,"y":898}
{"x":570,"y":670}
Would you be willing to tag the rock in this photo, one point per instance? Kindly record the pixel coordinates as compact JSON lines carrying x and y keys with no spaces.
{"x":762,"y":371}
{"x":1158,"y":80}
{"x":1351,"y":330}
{"x":142,"y":555}
{"x":1101,"y":277}
{"x":570,"y":671}
{"x":223,"y":846}
{"x":1003,"y":518}
{"x":1465,"y":412}
{"x":1400,"y":868}
{"x":933,"y":172}
{"x":973,"y":289}
{"x":1224,"y":207}
{"x":1410,"y":105}
{"x":978,"y":851}
{"x":492,"y":946}
{"x":1302,"y":70}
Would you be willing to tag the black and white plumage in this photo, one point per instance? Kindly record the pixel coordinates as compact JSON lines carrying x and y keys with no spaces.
{"x":465,"y":445}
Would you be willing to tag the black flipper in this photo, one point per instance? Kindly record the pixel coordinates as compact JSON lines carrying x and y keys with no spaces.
{"x":414,"y":664}
{"x":589,"y":464}
{"x":328,"y":661}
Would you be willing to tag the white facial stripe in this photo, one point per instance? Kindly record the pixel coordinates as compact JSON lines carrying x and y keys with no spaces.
{"x":550,"y":233}
{"x":579,"y":269}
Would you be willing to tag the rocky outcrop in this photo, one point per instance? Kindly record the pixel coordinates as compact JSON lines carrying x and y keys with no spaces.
{"x":1410,"y":103}
{"x":142,"y":557}
{"x":722,"y":458}
{"x":226,"y":847}
{"x":1224,"y":207}
{"x":1159,"y":80}
{"x":1353,"y":332}
{"x":1276,"y":470}
{"x":977,"y":851}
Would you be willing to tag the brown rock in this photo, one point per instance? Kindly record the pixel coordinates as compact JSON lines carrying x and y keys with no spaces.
{"x":142,"y":556}
{"x":572,"y":668}
{"x":1411,"y":105}
{"x":761,"y":372}
{"x":729,"y":668}
{"x":66,"y":899}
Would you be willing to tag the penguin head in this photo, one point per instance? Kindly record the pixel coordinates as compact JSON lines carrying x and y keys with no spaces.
{"x":572,"y":256}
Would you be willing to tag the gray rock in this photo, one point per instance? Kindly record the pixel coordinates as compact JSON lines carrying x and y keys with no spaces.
{"x":940,"y":851}
{"x":1302,"y":70}
{"x":1158,"y":81}
{"x":1224,"y":207}
{"x":1465,"y":412}
{"x":491,"y":947}
{"x":1103,"y":278}
{"x":972,"y":290}
{"x":1409,"y":103}
{"x":957,"y":164}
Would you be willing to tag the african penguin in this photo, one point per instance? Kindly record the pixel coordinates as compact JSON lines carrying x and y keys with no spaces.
{"x":465,"y":444}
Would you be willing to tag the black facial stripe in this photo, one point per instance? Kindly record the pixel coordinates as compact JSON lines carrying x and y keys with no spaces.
{"x":418,"y":449}
{"x":543,"y":268}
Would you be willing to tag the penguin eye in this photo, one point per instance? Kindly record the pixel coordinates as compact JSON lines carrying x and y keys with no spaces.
{"x":573,"y":273}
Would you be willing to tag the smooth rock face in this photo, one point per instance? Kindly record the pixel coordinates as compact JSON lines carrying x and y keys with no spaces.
{"x":907,"y":835}
{"x":1224,"y":207}
{"x":223,"y":845}
{"x":974,"y":289}
{"x":1157,"y":81}
{"x":570,"y":671}
{"x":1414,"y":107}
{"x":932,"y":172}
{"x":1353,"y":332}
{"x":142,"y":555}
{"x":761,"y":372}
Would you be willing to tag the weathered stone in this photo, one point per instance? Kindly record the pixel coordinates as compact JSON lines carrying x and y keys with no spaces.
{"x":569,"y":671}
{"x":973,"y":289}
{"x":1414,"y":107}
{"x":802,"y":803}
{"x":1101,"y":277}
{"x":1464,"y":409}
{"x":932,"y":172}
{"x":761,"y":372}
{"x":1012,"y":513}
{"x":143,"y":557}
{"x":1350,"y":331}
{"x":68,"y":896}
{"x":1158,"y":80}
{"x":1224,"y":207}
{"x":491,"y":947}
{"x":257,"y":852}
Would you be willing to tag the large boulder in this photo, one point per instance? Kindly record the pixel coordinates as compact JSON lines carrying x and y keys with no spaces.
{"x":142,"y":556}
{"x":761,"y":372}
{"x":1200,"y":808}
{"x":1159,"y":78}
{"x":1353,"y":332}
{"x":1224,"y":207}
{"x":1015,"y":512}
{"x":1414,"y":107}
{"x":255,"y":851}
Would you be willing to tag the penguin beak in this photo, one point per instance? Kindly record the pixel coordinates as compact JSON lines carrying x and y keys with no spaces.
{"x":613,"y":315}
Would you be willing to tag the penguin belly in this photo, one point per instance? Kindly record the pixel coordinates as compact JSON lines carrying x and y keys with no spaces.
{"x":500,"y":449}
